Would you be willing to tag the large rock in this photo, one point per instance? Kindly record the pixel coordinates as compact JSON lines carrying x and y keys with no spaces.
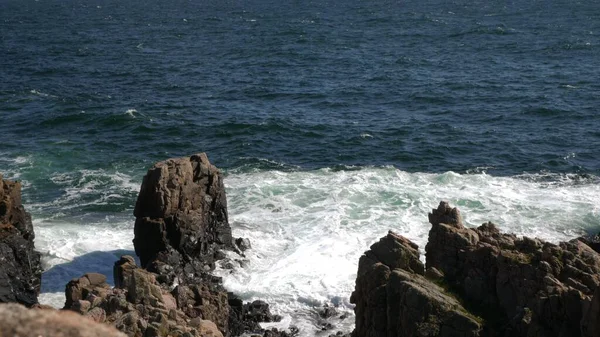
{"x":20,"y":268}
{"x":181,"y":230}
{"x":523,"y":286}
{"x":478,"y":282}
{"x":182,"y":205}
{"x":394,"y":299}
{"x":16,"y":320}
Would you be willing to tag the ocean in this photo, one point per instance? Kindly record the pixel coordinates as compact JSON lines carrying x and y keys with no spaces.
{"x":332,"y":121}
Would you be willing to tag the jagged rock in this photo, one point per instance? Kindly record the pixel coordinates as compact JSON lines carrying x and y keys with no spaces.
{"x":20,"y":268}
{"x":393,"y":299}
{"x":123,"y":270}
{"x":327,"y":311}
{"x":182,"y":205}
{"x":16,"y":320}
{"x":141,"y":307}
{"x":181,"y":230}
{"x":208,"y":328}
{"x":531,"y":287}
{"x":243,"y":244}
{"x":478,"y":282}
{"x":244,"y":317}
{"x":79,"y":290}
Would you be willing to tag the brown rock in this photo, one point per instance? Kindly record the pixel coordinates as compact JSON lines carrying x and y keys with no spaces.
{"x":16,"y":320}
{"x":20,"y":268}
{"x":122,"y":271}
{"x":512,"y":287}
{"x":181,"y":205}
{"x":393,"y":299}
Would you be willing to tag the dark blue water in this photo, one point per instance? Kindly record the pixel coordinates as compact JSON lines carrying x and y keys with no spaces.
{"x":430,"y":86}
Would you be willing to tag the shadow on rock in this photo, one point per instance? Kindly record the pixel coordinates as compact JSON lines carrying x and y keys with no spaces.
{"x":55,"y":278}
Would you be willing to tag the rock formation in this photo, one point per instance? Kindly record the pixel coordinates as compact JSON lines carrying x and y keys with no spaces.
{"x":477,"y":282}
{"x":16,"y":320}
{"x":20,"y":268}
{"x":182,"y":207}
{"x":140,"y":306}
{"x":393,"y":298}
{"x":181,"y":231}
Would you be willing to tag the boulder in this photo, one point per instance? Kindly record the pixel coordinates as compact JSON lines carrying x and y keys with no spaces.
{"x":181,"y":231}
{"x":16,"y":320}
{"x":20,"y":267}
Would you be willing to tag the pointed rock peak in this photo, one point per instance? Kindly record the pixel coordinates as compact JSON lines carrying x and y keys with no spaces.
{"x":445,"y":214}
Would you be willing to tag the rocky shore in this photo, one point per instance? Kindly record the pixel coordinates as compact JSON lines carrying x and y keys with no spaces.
{"x":474,"y":282}
{"x":477,"y":282}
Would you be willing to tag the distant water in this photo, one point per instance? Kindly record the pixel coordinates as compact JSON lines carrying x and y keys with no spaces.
{"x":333,"y":121}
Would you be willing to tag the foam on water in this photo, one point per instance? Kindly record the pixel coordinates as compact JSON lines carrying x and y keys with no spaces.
{"x":84,"y":229}
{"x":308,"y":229}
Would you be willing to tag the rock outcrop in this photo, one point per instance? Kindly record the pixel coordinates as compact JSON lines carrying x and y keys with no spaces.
{"x":477,"y":282}
{"x":20,"y":268}
{"x":181,"y":231}
{"x":393,"y":297}
{"x":140,"y":306}
{"x":16,"y":320}
{"x":182,"y":207}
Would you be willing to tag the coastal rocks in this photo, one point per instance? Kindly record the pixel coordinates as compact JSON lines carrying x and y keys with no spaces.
{"x":182,"y":206}
{"x":536,"y":287}
{"x":20,"y":268}
{"x":245,"y":317}
{"x":393,"y":298}
{"x":140,"y":306}
{"x":477,"y":282}
{"x":181,"y":231}
{"x":16,"y":320}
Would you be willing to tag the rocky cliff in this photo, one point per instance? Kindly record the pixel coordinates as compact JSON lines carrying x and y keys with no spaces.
{"x":20,"y":268}
{"x":477,"y":282}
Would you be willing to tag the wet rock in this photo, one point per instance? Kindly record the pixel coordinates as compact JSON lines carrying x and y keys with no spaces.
{"x":245,"y":317}
{"x":243,"y":244}
{"x":20,"y":268}
{"x":327,"y":311}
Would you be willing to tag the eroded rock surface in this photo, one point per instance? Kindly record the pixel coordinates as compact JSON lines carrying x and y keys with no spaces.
{"x":393,"y":298}
{"x":20,"y":268}
{"x":477,"y":282}
{"x":181,"y":231}
{"x":140,"y":306}
{"x":16,"y":320}
{"x":182,"y":206}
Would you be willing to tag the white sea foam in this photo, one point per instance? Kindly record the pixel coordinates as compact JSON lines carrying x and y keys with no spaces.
{"x":131,"y":112}
{"x":308,"y":229}
{"x":90,"y":187}
{"x":71,"y":247}
{"x":42,"y":94}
